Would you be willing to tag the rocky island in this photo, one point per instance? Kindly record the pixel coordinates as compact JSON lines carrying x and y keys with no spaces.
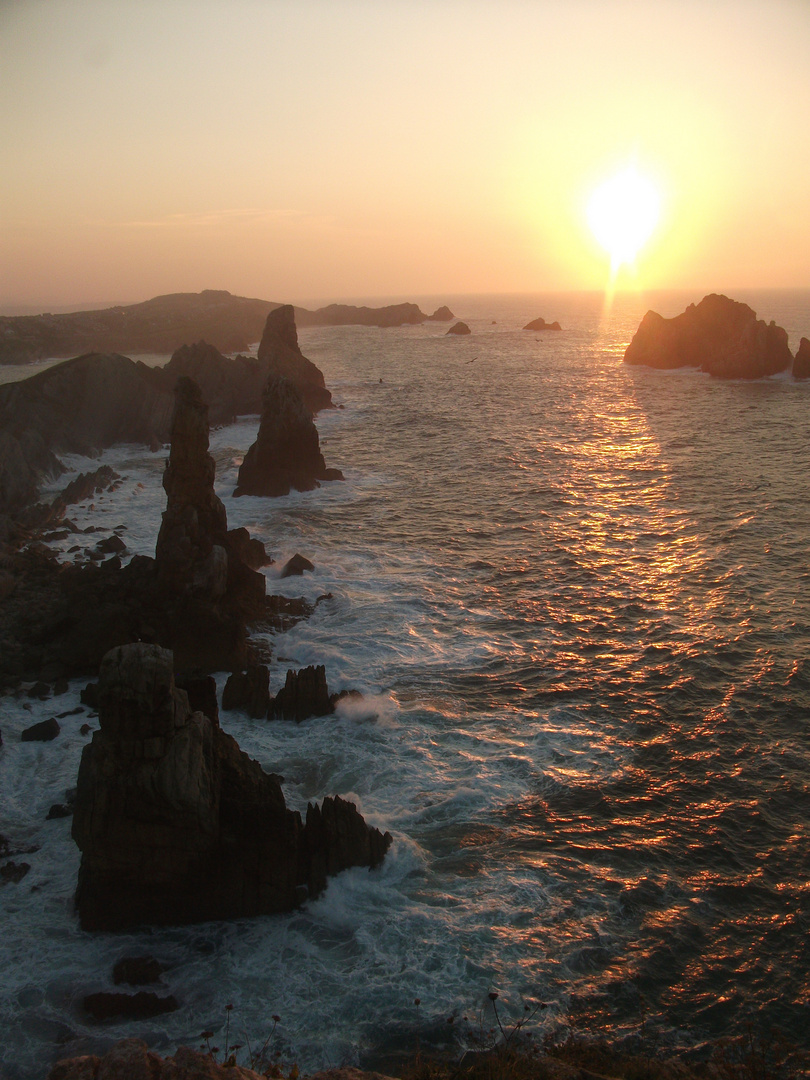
{"x":720,"y":336}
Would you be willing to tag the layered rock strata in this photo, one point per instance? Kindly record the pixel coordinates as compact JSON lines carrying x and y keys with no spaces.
{"x":287,"y":453}
{"x":720,"y":336}
{"x":177,"y":825}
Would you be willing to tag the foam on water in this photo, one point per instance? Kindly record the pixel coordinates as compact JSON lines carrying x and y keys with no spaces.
{"x":574,"y":595}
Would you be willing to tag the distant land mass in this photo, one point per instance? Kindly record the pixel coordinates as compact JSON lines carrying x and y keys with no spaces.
{"x":164,"y":323}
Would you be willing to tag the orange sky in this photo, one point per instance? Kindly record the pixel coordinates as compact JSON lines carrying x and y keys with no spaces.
{"x":327,"y":149}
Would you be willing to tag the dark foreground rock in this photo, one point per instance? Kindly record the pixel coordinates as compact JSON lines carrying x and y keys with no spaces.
{"x":177,"y":825}
{"x":801,"y":365}
{"x":304,"y":694}
{"x":459,"y":328}
{"x":248,"y":691}
{"x":287,"y":453}
{"x":720,"y":336}
{"x":541,"y":324}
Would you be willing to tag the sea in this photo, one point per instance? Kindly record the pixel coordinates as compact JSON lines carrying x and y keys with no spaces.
{"x":574,"y":596}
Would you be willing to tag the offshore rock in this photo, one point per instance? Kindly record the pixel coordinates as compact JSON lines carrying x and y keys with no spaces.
{"x":249,"y":691}
{"x":177,"y":825}
{"x":441,"y":314}
{"x":801,"y":365}
{"x":718,"y":335}
{"x":304,"y":694}
{"x":287,"y":452}
{"x":459,"y":328}
{"x":280,"y":352}
{"x":541,"y":324}
{"x":390,"y":315}
{"x":296,"y":566}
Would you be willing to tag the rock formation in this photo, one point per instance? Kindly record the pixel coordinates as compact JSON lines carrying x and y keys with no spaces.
{"x":176,"y":824}
{"x":459,"y":328}
{"x":280,"y":352}
{"x":350,"y":315}
{"x":287,"y":452}
{"x":441,"y":314}
{"x":801,"y":365}
{"x":718,"y":335}
{"x":541,"y":324}
{"x":303,"y":695}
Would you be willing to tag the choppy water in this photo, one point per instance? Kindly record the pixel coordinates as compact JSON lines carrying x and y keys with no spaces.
{"x":575,"y":593}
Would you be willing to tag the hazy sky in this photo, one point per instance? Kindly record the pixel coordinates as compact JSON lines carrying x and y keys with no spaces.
{"x":342,"y":148}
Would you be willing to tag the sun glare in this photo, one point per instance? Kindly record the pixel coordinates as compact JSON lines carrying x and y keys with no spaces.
{"x":622,"y":213}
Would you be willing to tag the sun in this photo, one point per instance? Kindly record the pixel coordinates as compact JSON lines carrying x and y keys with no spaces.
{"x":622,"y":213}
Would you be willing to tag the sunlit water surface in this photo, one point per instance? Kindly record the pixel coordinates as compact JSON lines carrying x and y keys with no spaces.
{"x":575,"y":595}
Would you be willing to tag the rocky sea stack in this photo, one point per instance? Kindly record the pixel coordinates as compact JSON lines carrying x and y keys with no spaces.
{"x":279,"y":350}
{"x":720,"y":336}
{"x":286,"y":454}
{"x":177,"y":825}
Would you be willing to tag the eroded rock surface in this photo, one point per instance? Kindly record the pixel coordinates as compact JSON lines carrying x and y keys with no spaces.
{"x":280,"y":351}
{"x":177,"y":825}
{"x":720,"y":336}
{"x":287,"y":453}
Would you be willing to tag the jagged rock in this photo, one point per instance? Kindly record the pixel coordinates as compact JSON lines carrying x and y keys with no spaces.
{"x":801,"y":365}
{"x":718,"y":335}
{"x":287,"y":452}
{"x":137,"y":971}
{"x":176,"y":824}
{"x":86,"y":485}
{"x":441,"y":314}
{"x":202,"y":694}
{"x":250,"y":550}
{"x":303,"y":695}
{"x":541,"y":324}
{"x":280,"y":351}
{"x":44,"y":731}
{"x":296,"y":566}
{"x":459,"y":328}
{"x":249,"y":691}
{"x":141,"y":1006}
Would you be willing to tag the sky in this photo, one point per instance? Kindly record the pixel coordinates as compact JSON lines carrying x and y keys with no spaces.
{"x":335,"y":149}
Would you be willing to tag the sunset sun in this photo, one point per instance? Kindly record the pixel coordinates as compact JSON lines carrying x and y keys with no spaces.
{"x":622,"y":213}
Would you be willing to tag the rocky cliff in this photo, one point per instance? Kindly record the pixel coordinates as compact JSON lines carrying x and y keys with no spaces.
{"x":279,"y":350}
{"x":176,"y":824}
{"x":720,"y":336}
{"x":286,"y":454}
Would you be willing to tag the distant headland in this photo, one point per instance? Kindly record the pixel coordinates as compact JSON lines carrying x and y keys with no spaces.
{"x":164,"y":323}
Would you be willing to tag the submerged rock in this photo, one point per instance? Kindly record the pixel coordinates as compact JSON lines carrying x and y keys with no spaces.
{"x":720,"y":336}
{"x":177,"y":825}
{"x":287,"y":452}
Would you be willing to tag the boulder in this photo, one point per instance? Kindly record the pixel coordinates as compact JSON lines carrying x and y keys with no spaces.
{"x":177,"y":825}
{"x":303,"y":695}
{"x":279,"y":350}
{"x":441,"y":314}
{"x":720,"y":336}
{"x":459,"y":328}
{"x":44,"y":731}
{"x":541,"y":324}
{"x":296,"y":566}
{"x":801,"y":365}
{"x":287,"y":452}
{"x":137,"y":971}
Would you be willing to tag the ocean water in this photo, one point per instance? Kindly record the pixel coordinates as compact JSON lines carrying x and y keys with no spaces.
{"x":574,"y":595}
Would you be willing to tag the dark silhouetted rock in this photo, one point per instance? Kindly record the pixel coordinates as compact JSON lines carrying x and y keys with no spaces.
{"x":110,"y":545}
{"x":441,"y":314}
{"x":250,"y":550}
{"x":176,"y":824}
{"x":86,"y":485}
{"x":541,"y":324}
{"x":12,"y":873}
{"x":40,"y":690}
{"x":140,"y":1006}
{"x":44,"y":731}
{"x":249,"y":691}
{"x":279,"y":350}
{"x":137,"y":971}
{"x":405,"y":314}
{"x":801,"y":365}
{"x":718,"y":335}
{"x":459,"y":328}
{"x":296,"y":566}
{"x":202,"y":694}
{"x":303,"y":695}
{"x":287,"y":452}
